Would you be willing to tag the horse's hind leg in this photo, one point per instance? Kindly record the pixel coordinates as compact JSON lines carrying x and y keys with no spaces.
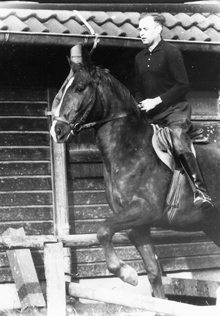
{"x":114,"y":264}
{"x":141,"y":239}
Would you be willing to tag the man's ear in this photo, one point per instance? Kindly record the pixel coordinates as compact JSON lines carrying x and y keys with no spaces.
{"x":159,"y":29}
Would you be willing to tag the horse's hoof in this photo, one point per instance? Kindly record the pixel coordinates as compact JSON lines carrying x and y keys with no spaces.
{"x":128,"y":275}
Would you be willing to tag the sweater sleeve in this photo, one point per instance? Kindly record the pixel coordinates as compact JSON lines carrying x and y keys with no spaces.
{"x":181,"y":82}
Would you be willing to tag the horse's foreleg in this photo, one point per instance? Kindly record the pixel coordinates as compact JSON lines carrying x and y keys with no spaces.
{"x":114,"y":264}
{"x":141,"y":239}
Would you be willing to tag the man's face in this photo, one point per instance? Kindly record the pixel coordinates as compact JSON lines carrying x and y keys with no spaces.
{"x":149,"y":30}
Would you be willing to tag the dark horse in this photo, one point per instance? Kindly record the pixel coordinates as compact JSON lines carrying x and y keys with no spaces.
{"x":137,"y":182}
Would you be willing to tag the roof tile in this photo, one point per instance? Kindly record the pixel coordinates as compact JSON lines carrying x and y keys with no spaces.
{"x":24,"y":14}
{"x":213,"y":34}
{"x":181,"y":26}
{"x":203,"y":23}
{"x":186,"y":20}
{"x":134,"y":18}
{"x":171,"y":21}
{"x":44,"y":15}
{"x":193,"y":34}
{"x":169,"y":34}
{"x":3,"y":26}
{"x":118,"y":18}
{"x":216,"y":20}
{"x":55,"y":27}
{"x":101,"y":17}
{"x":87,"y":15}
{"x":14,"y":24}
{"x":4,"y":13}
{"x":63,"y":15}
{"x":75,"y":28}
{"x":36,"y":26}
{"x":113,"y":30}
{"x":97,"y":29}
{"x":129,"y":30}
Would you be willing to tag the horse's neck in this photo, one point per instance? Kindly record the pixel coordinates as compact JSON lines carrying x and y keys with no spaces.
{"x":115,"y":104}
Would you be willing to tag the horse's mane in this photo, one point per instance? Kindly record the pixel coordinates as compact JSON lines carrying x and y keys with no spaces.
{"x":118,"y":88}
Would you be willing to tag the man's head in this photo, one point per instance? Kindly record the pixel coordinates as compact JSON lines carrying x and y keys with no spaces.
{"x":150,"y":28}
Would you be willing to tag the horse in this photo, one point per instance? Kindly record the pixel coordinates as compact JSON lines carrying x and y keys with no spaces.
{"x":137,"y":181}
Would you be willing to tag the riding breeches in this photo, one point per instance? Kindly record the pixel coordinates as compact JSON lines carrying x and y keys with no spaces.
{"x":177,"y":118}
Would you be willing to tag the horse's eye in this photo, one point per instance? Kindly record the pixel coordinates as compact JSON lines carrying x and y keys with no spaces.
{"x":80,"y":88}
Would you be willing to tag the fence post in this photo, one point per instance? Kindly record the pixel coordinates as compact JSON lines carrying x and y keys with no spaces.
{"x":55,"y":279}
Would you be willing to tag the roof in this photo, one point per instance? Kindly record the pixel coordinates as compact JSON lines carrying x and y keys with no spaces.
{"x":39,"y":26}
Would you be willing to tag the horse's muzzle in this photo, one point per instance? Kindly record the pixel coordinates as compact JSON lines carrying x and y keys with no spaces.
{"x":60,"y":132}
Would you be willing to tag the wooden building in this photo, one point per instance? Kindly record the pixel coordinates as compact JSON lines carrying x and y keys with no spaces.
{"x":41,"y":182}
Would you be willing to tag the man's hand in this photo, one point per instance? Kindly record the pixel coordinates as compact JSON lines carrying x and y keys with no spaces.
{"x":149,"y":104}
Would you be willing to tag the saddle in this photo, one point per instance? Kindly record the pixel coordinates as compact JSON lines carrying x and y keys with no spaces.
{"x":163,"y":146}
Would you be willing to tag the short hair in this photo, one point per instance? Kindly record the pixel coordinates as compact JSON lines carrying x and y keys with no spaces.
{"x":159,"y":18}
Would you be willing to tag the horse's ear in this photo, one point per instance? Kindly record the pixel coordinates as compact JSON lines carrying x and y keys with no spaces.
{"x":74,"y":66}
{"x":87,"y":61}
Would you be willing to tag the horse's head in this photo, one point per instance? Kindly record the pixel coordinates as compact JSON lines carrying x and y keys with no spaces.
{"x":77,"y":100}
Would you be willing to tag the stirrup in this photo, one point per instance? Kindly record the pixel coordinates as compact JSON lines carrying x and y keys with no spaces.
{"x":202,"y":200}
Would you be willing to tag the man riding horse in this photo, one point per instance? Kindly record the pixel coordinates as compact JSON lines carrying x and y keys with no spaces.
{"x":162,"y":84}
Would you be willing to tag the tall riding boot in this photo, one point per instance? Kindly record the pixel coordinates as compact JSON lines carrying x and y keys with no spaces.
{"x":191,"y":167}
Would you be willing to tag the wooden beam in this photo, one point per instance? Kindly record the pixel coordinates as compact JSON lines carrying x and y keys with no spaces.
{"x":140,"y":302}
{"x":34,"y":241}
{"x":24,"y":274}
{"x":55,"y":279}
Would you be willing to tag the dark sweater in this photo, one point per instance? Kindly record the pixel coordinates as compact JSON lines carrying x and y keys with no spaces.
{"x":161,"y":73}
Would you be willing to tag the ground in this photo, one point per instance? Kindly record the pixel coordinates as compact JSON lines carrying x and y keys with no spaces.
{"x":79,"y":309}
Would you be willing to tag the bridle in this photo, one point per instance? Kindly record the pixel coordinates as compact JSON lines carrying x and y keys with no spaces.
{"x":77,"y":127}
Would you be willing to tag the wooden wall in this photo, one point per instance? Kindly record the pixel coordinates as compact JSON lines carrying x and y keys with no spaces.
{"x":25,"y":167}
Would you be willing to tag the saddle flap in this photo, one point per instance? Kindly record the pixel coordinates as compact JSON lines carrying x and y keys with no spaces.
{"x":163,"y":145}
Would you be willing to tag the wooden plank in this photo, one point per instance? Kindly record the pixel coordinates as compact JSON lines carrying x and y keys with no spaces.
{"x":160,"y":306}
{"x":25,"y":198}
{"x":24,"y":274}
{"x":25,"y":168}
{"x":83,"y":170}
{"x":169,"y":251}
{"x":6,"y":275}
{"x":99,"y":211}
{"x":158,"y":236}
{"x":21,"y":94}
{"x":26,"y":183}
{"x":87,"y":197}
{"x":31,"y":228}
{"x":22,"y":108}
{"x":168,"y":265}
{"x":86,"y":184}
{"x":86,"y":155}
{"x":190,"y":287}
{"x":54,"y":272}
{"x":26,"y":213}
{"x":25,"y":153}
{"x":23,"y":124}
{"x":204,"y":102}
{"x":87,"y":226}
{"x":24,"y":139}
{"x":25,"y":242}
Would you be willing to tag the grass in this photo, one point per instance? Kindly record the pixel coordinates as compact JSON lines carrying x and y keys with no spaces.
{"x":78,"y":309}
